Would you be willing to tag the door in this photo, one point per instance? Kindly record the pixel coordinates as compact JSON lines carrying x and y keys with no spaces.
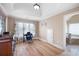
{"x":49,"y":35}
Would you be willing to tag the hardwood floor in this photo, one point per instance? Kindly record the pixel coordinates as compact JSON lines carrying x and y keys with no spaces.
{"x":36,"y":48}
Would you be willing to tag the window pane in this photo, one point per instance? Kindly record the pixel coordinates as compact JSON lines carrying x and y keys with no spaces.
{"x":19,"y":29}
{"x":0,"y":25}
{"x":26,"y":28}
{"x":32,"y":29}
{"x":74,"y":29}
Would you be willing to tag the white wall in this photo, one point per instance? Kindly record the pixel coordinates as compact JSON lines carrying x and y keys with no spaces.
{"x":57,"y":24}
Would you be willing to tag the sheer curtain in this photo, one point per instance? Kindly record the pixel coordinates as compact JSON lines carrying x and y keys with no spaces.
{"x":22,"y":28}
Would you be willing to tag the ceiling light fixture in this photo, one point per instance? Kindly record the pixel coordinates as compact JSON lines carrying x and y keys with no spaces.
{"x":36,"y":6}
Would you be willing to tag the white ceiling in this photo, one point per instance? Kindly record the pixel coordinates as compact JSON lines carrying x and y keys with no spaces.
{"x":26,"y":10}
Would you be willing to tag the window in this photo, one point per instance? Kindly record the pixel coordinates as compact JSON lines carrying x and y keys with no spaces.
{"x":32,"y":28}
{"x":26,"y":28}
{"x":1,"y":25}
{"x":74,"y":29}
{"x":23,"y":28}
{"x":19,"y":29}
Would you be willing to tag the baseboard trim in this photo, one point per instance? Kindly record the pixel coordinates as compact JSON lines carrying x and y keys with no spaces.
{"x":52,"y":44}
